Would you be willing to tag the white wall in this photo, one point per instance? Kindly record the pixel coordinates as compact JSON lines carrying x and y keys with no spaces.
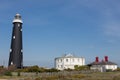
{"x":102,"y":67}
{"x":68,"y":62}
{"x":113,"y":67}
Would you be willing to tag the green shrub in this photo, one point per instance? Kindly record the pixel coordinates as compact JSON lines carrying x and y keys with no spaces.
{"x":109,"y":70}
{"x":8,"y":73}
{"x":52,"y":70}
{"x":18,"y":74}
{"x":68,"y":69}
{"x":78,"y":68}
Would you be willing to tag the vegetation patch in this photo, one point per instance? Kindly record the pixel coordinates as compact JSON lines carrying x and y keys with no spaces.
{"x":8,"y":73}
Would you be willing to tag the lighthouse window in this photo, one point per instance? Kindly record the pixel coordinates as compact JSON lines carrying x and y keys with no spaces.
{"x":21,"y":50}
{"x":18,"y":25}
{"x":11,"y":63}
{"x":10,"y":50}
{"x":13,"y":37}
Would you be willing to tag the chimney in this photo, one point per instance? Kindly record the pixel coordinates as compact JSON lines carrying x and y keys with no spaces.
{"x":97,"y":59}
{"x":106,"y":58}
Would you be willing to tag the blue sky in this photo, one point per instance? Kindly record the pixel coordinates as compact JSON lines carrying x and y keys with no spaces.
{"x":51,"y":28}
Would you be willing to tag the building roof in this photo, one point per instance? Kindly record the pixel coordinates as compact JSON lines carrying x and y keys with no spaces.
{"x":103,"y":63}
{"x":68,"y":56}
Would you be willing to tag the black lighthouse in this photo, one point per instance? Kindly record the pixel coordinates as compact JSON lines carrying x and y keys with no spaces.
{"x":16,"y":50}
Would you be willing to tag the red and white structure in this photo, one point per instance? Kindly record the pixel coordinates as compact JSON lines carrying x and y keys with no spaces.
{"x":103,"y":65}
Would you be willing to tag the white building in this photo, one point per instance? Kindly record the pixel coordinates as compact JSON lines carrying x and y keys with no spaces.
{"x":103,"y":65}
{"x":68,"y":62}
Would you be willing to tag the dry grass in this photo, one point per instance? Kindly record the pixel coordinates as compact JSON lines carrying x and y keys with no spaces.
{"x":80,"y":76}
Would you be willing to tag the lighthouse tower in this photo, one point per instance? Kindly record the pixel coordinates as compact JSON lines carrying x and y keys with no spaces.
{"x":16,"y":50}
